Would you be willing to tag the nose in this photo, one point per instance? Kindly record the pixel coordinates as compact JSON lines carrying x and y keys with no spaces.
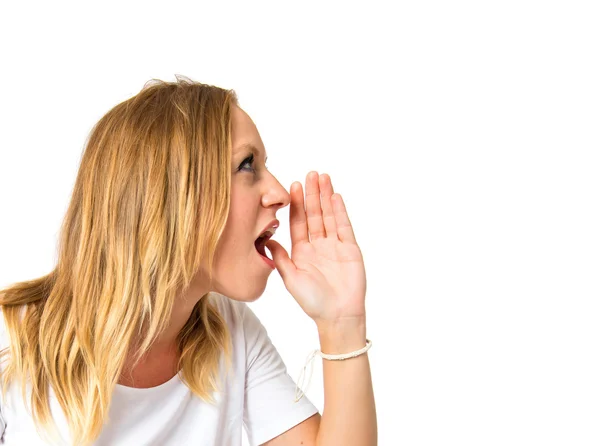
{"x":275,"y":195}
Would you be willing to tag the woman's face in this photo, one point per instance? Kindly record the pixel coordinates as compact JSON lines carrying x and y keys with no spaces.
{"x":240,"y":273}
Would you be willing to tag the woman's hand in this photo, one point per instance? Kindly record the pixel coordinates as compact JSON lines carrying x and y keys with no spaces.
{"x":326,"y":273}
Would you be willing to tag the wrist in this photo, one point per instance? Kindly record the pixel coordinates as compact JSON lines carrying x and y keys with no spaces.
{"x":342,"y":335}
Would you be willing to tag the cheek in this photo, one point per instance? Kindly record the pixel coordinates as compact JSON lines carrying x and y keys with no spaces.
{"x":242,"y":221}
{"x":243,"y":205}
{"x":236,"y":247}
{"x":238,"y":272}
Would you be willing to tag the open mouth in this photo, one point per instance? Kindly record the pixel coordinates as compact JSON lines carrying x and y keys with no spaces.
{"x":260,"y":242}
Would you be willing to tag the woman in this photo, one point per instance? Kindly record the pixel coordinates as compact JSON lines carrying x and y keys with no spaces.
{"x":141,"y":335}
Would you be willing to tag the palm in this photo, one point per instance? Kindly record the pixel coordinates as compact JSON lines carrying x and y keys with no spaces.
{"x":326,"y":273}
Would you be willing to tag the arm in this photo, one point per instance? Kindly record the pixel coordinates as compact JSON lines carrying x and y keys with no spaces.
{"x":326,"y":275}
{"x":349,"y":416}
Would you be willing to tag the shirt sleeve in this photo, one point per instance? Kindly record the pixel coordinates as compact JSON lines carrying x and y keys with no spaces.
{"x":269,"y":407}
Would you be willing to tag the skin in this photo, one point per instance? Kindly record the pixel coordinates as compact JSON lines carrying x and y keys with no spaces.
{"x":239,"y":272}
{"x":325,"y":275}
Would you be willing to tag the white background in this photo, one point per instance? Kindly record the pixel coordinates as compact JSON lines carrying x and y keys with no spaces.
{"x":463,"y":136}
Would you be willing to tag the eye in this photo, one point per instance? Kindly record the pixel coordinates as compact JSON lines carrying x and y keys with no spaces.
{"x":248,"y":160}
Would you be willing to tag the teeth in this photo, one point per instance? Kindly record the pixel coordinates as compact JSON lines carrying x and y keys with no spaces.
{"x":268,"y":232}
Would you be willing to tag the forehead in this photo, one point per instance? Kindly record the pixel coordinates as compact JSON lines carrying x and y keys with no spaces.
{"x":242,"y":127}
{"x":245,"y":136}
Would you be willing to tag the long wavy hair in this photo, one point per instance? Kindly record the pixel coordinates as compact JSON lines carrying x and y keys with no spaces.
{"x":148,"y":208}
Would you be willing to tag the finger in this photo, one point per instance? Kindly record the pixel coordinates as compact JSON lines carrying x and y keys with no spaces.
{"x":344,"y":228}
{"x":314,"y":215}
{"x":298,"y":228}
{"x":283,"y":263}
{"x":328,"y":217}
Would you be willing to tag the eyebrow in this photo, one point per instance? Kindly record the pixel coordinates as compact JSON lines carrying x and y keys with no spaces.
{"x":252,"y":148}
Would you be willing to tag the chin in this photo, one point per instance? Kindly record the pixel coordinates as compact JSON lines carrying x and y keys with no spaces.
{"x":242,"y":296}
{"x":245,"y":299}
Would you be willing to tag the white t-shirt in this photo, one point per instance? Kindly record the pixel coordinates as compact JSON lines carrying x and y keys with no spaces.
{"x":258,"y":394}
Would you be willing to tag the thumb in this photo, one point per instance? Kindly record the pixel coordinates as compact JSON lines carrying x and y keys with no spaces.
{"x":282,"y":260}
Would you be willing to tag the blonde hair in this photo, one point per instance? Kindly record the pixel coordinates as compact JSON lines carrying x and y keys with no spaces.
{"x":148,"y":208}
